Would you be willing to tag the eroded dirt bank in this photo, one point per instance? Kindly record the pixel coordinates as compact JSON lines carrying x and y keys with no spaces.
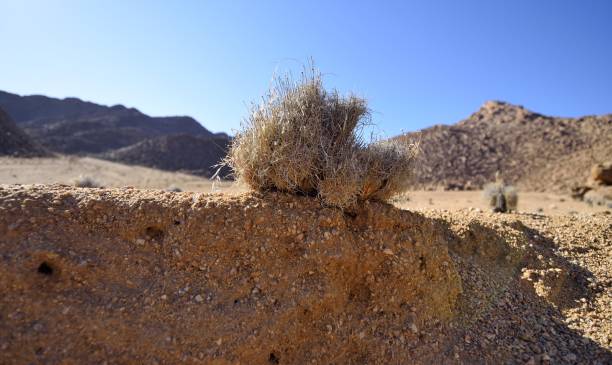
{"x":136,"y":276}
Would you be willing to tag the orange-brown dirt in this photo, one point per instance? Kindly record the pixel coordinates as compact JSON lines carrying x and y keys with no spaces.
{"x":144,"y":276}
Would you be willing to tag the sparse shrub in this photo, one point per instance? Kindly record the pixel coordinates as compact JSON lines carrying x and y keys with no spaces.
{"x":86,"y":182}
{"x":173,"y":189}
{"x":302,"y":139}
{"x":500,"y":197}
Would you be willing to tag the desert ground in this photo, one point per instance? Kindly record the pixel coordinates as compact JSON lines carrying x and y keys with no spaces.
{"x":220,"y":275}
{"x":65,"y":170}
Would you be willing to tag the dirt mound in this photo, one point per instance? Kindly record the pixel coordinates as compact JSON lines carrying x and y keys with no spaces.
{"x":187,"y":153}
{"x":165,"y":276}
{"x":533,"y":151}
{"x":14,"y":142}
{"x":94,"y":275}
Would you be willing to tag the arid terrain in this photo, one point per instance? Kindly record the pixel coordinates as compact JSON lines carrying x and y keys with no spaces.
{"x":128,"y":275}
{"x":133,"y":273}
{"x":65,"y":170}
{"x":164,"y":267}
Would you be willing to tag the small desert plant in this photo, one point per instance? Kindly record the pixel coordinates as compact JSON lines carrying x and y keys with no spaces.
{"x":173,"y":189}
{"x":500,"y":197}
{"x":303,"y":139}
{"x":86,"y":182}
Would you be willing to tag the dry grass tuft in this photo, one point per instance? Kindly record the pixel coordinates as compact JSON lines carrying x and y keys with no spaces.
{"x":303,"y":139}
{"x":86,"y":182}
{"x":173,"y":189}
{"x":501,"y":197}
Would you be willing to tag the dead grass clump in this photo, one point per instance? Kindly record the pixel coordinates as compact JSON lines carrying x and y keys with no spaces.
{"x":86,"y":182}
{"x":388,"y":167}
{"x":173,"y":189}
{"x":302,"y":139}
{"x":500,"y":197}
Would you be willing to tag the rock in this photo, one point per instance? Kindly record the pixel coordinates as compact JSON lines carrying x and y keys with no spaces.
{"x":601,"y":174}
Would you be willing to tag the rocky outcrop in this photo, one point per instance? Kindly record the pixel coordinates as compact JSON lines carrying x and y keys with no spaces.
{"x":601,"y":174}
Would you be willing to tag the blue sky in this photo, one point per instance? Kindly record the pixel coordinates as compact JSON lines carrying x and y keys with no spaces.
{"x":418,"y":63}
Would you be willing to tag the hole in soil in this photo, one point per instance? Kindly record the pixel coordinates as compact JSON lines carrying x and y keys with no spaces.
{"x":154,"y":233}
{"x":45,"y":269}
{"x":273,"y":359}
{"x":422,"y":263}
{"x":177,"y":223}
{"x":351,"y":215}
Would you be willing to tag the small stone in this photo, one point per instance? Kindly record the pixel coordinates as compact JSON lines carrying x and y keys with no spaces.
{"x":199,"y":299}
{"x":164,"y":297}
{"x":388,"y":252}
{"x":414,"y":328}
{"x":219,"y":342}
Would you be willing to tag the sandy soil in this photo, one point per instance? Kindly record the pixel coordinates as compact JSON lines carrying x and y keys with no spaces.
{"x":65,"y":170}
{"x":529,"y":202}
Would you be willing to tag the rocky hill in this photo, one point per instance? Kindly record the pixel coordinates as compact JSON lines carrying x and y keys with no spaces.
{"x":533,"y":151}
{"x":14,"y":142}
{"x":73,"y":126}
{"x":187,"y":153}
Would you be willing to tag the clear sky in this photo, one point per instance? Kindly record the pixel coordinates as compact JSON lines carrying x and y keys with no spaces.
{"x":418,"y":62}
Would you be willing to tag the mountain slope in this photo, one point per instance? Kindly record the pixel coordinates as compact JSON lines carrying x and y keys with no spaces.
{"x":533,"y":151}
{"x":74,"y":126}
{"x":14,"y":142}
{"x":193,"y":154}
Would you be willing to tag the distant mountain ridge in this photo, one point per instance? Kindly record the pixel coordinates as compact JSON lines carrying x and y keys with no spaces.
{"x":73,"y":126}
{"x":531,"y":150}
